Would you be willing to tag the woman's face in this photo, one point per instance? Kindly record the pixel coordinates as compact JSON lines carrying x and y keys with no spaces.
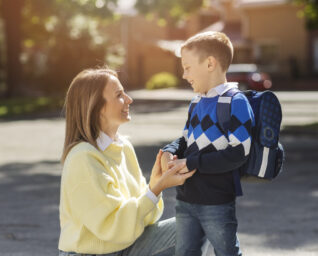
{"x":116,"y":110}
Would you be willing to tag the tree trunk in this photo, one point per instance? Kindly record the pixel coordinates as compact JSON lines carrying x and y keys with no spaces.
{"x":12,"y":18}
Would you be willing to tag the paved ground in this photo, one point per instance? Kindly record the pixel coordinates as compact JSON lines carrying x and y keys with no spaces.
{"x":276,"y":219}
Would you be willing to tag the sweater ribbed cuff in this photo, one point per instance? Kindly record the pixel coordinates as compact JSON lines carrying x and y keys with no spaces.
{"x":155,"y":199}
{"x":192,"y":162}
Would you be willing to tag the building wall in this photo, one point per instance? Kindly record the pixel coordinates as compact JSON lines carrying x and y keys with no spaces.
{"x":277,"y":31}
{"x":230,"y":14}
{"x":272,"y":36}
{"x":138,"y":34}
{"x":193,"y":25}
{"x":144,"y":58}
{"x":156,"y":60}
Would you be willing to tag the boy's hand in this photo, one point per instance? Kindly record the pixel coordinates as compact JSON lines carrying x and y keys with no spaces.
{"x":166,"y":157}
{"x":172,"y":177}
{"x":175,"y":162}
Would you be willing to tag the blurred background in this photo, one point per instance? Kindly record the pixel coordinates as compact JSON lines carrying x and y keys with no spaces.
{"x":45,"y":43}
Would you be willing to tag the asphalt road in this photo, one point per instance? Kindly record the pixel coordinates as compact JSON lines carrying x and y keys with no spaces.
{"x":275,"y":219}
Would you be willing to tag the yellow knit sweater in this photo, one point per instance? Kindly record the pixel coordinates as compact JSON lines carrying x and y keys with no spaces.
{"x":103,"y":204}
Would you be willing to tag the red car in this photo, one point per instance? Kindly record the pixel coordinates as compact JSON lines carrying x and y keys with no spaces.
{"x":249,"y":77}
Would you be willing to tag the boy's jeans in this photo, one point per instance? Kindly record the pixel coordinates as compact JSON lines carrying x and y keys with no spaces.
{"x":157,"y":240}
{"x":196,"y":222}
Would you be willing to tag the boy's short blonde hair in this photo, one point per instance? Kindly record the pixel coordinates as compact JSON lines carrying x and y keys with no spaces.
{"x":214,"y":44}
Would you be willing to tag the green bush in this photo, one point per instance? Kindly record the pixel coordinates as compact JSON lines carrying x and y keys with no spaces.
{"x":18,"y":107}
{"x":162,"y":80}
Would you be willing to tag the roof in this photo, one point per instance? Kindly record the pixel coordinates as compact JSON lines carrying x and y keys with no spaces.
{"x":170,"y":46}
{"x":232,"y":30}
{"x":242,"y":68}
{"x":258,"y":3}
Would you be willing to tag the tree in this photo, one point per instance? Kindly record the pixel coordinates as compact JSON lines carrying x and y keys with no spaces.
{"x":172,"y":10}
{"x":309,"y":12}
{"x":71,"y":35}
{"x":27,"y":24}
{"x":11,"y":11}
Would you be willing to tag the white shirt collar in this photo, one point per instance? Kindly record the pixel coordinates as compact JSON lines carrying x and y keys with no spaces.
{"x":220,"y":89}
{"x":103,"y":141}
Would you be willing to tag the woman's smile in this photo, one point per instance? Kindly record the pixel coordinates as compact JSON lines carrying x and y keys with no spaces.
{"x":125,"y":112}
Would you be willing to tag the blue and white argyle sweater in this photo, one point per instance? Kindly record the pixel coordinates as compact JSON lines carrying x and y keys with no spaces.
{"x":215,"y":155}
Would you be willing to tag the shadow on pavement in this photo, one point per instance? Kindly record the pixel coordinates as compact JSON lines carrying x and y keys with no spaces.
{"x":29,"y":194}
{"x":280,"y":214}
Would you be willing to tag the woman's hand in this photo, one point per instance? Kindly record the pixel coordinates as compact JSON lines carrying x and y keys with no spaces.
{"x":156,"y":172}
{"x":170,"y":178}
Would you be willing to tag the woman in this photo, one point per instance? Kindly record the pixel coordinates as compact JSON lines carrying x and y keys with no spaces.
{"x":106,"y":207}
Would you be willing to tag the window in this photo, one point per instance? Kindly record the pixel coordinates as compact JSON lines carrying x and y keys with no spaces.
{"x":267,"y":53}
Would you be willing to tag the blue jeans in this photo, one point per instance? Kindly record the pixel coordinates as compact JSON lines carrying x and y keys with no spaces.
{"x":156,"y":240}
{"x":196,"y":222}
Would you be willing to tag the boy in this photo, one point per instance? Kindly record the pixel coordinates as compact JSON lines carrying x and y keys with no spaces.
{"x":205,"y":205}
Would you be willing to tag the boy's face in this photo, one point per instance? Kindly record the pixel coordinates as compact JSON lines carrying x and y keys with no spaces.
{"x":195,"y":71}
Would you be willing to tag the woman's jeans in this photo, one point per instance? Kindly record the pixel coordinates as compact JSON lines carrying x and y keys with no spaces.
{"x":196,"y":222}
{"x":157,"y":240}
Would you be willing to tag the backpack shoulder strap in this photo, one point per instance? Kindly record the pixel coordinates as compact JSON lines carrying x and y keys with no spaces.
{"x":223,"y":113}
{"x":223,"y":109}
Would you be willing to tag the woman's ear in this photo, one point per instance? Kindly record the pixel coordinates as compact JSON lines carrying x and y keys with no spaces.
{"x":211,"y":63}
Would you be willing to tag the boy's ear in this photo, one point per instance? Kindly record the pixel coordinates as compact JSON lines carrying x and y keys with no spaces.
{"x":211,"y":63}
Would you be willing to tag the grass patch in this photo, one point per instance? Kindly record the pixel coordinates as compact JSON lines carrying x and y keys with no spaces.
{"x":26,"y":106}
{"x":313,"y":126}
{"x":307,"y":128}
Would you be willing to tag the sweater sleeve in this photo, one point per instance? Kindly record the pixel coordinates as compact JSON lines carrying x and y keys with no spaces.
{"x":156,"y":212}
{"x":97,"y":202}
{"x":239,"y":142}
{"x":176,"y":147}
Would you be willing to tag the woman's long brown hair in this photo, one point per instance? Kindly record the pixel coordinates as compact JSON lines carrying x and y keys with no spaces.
{"x":83,"y":103}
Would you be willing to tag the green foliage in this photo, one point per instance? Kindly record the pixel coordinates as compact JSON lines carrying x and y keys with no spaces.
{"x":25,"y":106}
{"x":162,"y":80}
{"x":62,"y":37}
{"x":68,"y":8}
{"x":309,"y":12}
{"x":309,"y":129}
{"x":66,"y":36}
{"x":172,"y":10}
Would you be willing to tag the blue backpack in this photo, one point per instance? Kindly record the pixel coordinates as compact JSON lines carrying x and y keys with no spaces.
{"x":266,"y":154}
